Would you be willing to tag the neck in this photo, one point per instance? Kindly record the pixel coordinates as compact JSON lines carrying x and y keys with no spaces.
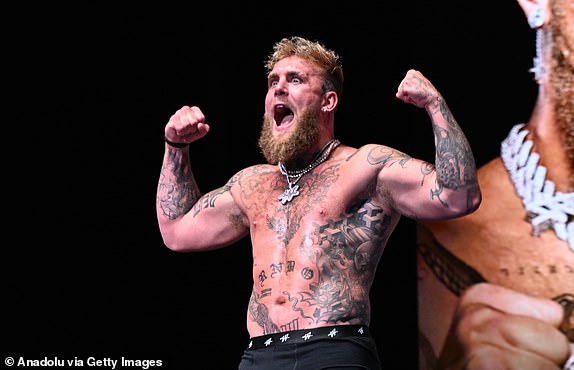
{"x":309,"y":157}
{"x":548,"y":141}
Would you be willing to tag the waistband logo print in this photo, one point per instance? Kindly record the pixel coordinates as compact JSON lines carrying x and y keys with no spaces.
{"x":301,"y":336}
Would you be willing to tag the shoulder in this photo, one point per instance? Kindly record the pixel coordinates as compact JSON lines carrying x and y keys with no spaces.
{"x":250,"y":172}
{"x":378,"y":154}
{"x":258,"y":169}
{"x":360,"y":153}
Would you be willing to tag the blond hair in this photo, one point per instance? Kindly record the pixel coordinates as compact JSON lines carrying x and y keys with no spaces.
{"x":313,"y":51}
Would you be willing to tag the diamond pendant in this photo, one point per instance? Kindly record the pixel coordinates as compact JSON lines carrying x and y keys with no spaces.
{"x":289,"y":194}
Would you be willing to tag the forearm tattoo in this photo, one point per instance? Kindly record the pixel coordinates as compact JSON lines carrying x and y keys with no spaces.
{"x":454,"y":160}
{"x":177,"y":189}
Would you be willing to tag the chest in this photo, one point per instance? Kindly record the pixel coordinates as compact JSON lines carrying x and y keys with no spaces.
{"x":335,"y":204}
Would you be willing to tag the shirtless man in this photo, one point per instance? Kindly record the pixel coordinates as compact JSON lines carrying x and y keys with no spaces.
{"x":516,"y":252}
{"x":318,"y":214}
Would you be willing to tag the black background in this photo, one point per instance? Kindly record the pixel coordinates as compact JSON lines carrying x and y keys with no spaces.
{"x":85,"y":272}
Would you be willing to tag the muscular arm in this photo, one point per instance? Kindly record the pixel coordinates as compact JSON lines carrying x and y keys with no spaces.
{"x":187,"y":220}
{"x":177,"y":190}
{"x":449,"y":187}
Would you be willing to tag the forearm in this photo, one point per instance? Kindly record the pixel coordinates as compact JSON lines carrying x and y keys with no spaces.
{"x":177,"y":189}
{"x":454,"y":161}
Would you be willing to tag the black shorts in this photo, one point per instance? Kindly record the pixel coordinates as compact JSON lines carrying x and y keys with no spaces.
{"x":333,"y":347}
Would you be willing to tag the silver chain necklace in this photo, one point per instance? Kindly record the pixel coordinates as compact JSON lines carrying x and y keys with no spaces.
{"x":294,"y":176}
{"x":546,"y":208}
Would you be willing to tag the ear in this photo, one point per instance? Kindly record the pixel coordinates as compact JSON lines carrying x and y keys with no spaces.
{"x":331,"y":100}
{"x":536,"y":11}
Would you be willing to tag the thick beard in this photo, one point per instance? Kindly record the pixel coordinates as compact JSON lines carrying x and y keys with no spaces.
{"x":278,"y":149}
{"x":562,"y":81}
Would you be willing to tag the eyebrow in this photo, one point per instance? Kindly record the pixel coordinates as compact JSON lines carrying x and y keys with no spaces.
{"x":290,"y":74}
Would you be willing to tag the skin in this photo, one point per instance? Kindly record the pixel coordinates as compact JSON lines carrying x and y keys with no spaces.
{"x":511,"y":318}
{"x":314,"y":258}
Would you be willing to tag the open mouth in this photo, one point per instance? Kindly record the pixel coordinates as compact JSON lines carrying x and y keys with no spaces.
{"x":282,"y":115}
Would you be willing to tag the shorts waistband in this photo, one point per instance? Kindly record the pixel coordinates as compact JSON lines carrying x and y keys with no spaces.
{"x":308,"y":335}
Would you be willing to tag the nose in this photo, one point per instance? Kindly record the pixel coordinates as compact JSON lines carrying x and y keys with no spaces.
{"x":280,"y":88}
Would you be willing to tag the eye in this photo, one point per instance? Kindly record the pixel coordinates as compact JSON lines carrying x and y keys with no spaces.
{"x":272,"y":83}
{"x":296,"y":80}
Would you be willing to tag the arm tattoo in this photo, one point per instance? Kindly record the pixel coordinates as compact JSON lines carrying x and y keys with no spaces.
{"x":177,"y":189}
{"x":208,"y":201}
{"x":387,"y":157}
{"x":454,"y":159}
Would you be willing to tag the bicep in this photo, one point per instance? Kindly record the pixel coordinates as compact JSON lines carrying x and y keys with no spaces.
{"x":215,"y":221}
{"x":413,"y":189}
